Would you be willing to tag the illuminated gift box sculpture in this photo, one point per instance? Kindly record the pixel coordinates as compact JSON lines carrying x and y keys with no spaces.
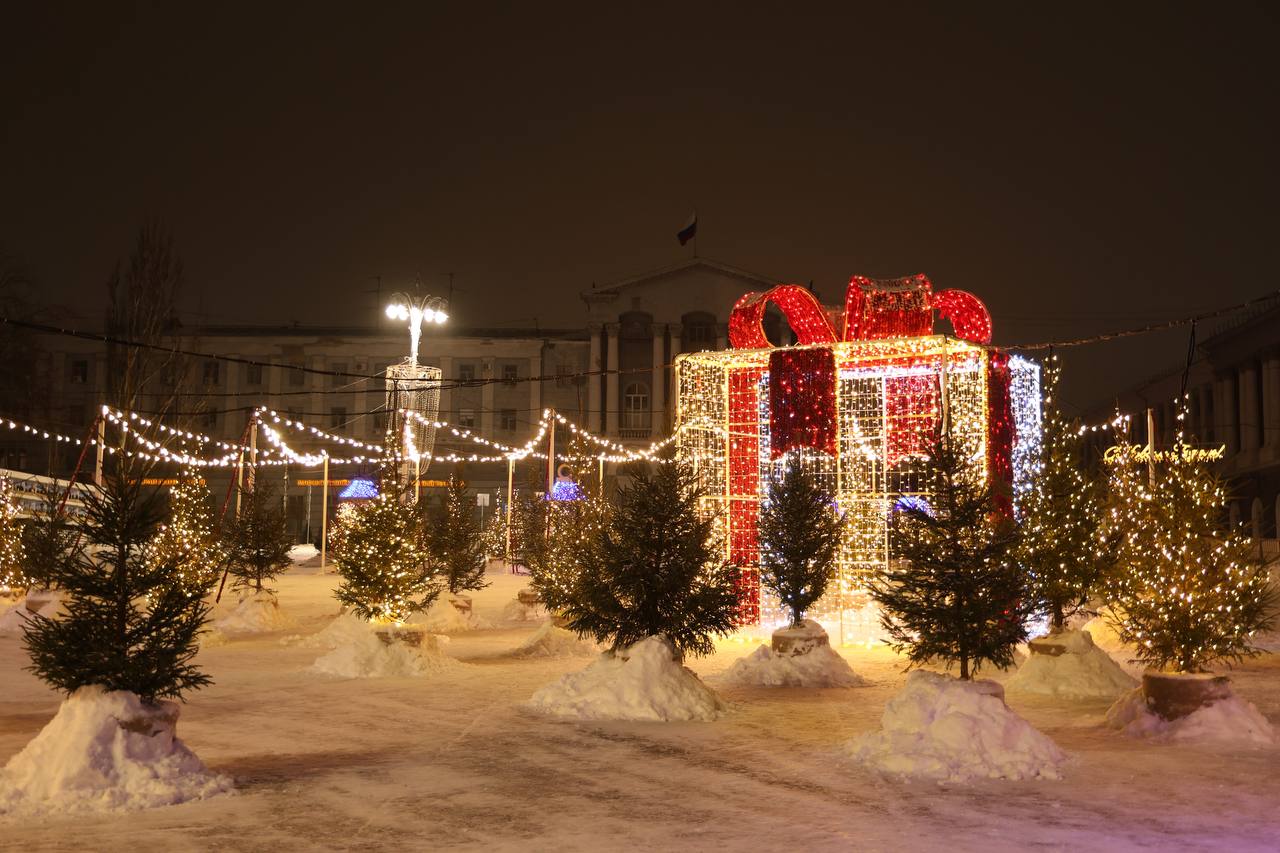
{"x":859,"y":408}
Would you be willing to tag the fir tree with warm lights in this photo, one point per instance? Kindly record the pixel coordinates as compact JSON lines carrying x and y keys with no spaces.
{"x":127,"y":624}
{"x":258,"y":539}
{"x":49,"y":542}
{"x":494,"y":535}
{"x":572,"y":529}
{"x":1061,"y":546}
{"x":799,"y":538}
{"x":1188,"y":591}
{"x":387,"y":571}
{"x":651,"y":570}
{"x":953,"y":591}
{"x":454,"y":540}
{"x":13,"y":575}
{"x":190,"y":536}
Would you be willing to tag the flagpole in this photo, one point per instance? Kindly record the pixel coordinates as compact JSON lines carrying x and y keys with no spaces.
{"x":695,"y":233}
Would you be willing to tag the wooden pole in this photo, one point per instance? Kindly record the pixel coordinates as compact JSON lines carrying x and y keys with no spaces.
{"x":102,"y":448}
{"x":600,"y":486}
{"x":324,"y":511}
{"x":1151,"y":447}
{"x":551,"y":455}
{"x":253,"y":448}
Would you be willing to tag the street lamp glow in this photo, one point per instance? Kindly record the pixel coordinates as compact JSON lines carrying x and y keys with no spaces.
{"x":415,"y":310}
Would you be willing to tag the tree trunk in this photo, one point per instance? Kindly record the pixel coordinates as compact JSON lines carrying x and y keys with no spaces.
{"x":1056,"y":625}
{"x":964,"y":668}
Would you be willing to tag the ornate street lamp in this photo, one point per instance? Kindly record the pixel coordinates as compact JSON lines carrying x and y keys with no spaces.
{"x":414,"y":387}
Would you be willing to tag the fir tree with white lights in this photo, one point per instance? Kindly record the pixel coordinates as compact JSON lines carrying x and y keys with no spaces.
{"x":258,"y":539}
{"x":1188,"y":590}
{"x":799,"y":539}
{"x":953,"y":591}
{"x":1061,"y":546}
{"x":13,"y":575}
{"x":387,"y":572}
{"x":190,"y":537}
{"x":651,"y":569}
{"x":555,"y":562}
{"x":453,"y":537}
{"x":127,"y":624}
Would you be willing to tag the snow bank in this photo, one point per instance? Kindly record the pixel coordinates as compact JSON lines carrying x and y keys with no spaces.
{"x":517,"y":611}
{"x":443,"y":618}
{"x":84,"y":761}
{"x":302,"y":553}
{"x":364,"y":655}
{"x":12,"y":620}
{"x":1083,"y":671}
{"x":646,"y":685}
{"x":1104,"y":636}
{"x":254,"y":615}
{"x":550,"y":641}
{"x":1230,"y":720}
{"x":341,"y":629}
{"x":938,"y":727}
{"x":822,"y":666}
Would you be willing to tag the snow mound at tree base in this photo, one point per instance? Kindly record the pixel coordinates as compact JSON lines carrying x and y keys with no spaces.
{"x":84,"y":760}
{"x":443,"y":618}
{"x":1083,"y":671}
{"x":821,"y":666}
{"x":647,"y":685}
{"x":941,"y":728}
{"x":12,"y":620}
{"x":257,"y":614}
{"x":1230,"y":720}
{"x":519,"y":612}
{"x":550,"y":641}
{"x":365,"y":655}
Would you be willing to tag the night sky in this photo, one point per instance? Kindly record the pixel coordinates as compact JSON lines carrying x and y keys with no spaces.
{"x":1084,"y":168}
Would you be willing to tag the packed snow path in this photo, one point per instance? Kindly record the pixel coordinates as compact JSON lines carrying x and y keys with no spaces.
{"x":449,"y":761}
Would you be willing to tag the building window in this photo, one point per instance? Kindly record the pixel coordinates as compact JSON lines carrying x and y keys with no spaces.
{"x":337,"y":417}
{"x":563,"y":379}
{"x":337,"y":367}
{"x":510,"y":373}
{"x":209,"y":422}
{"x":79,"y":372}
{"x":467,"y":418}
{"x":296,"y":376}
{"x":466,"y":372}
{"x":253,"y":374}
{"x":379,"y":423}
{"x":507,"y":420}
{"x":210,"y":375}
{"x":635,"y":407}
{"x":699,"y":333}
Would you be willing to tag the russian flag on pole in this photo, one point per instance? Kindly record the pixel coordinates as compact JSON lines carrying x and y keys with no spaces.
{"x":690,"y":230}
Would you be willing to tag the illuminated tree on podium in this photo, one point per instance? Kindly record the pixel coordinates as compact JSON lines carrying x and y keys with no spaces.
{"x":189,"y":539}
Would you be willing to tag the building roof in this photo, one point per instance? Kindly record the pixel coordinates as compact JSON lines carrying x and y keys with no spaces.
{"x":612,"y":290}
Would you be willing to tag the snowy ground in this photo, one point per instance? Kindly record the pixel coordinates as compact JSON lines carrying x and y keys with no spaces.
{"x":450,"y":761}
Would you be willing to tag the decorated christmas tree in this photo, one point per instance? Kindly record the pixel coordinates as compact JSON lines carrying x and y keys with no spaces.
{"x":258,"y":539}
{"x":953,"y":591}
{"x":189,"y":537}
{"x":13,"y":577}
{"x":387,"y":573}
{"x":651,"y":570}
{"x":1061,"y":546}
{"x":555,"y":561}
{"x":454,"y":541}
{"x":494,"y":536}
{"x":1188,"y":590}
{"x":799,"y":538}
{"x":49,"y":542}
{"x":341,"y":522}
{"x":127,"y":624}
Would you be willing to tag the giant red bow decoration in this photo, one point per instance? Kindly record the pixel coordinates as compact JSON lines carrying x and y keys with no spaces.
{"x":802,"y":382}
{"x":895,"y":308}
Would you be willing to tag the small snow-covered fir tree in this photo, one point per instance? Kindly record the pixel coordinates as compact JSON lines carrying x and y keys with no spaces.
{"x":13,"y":576}
{"x":387,"y":573}
{"x":494,"y":535}
{"x":1188,"y":590}
{"x":953,"y":591}
{"x":1061,"y":546}
{"x":799,"y":539}
{"x":342,"y":518}
{"x":127,"y":625}
{"x":258,"y":539}
{"x":190,"y":536}
{"x":651,"y":570}
{"x":454,"y":541}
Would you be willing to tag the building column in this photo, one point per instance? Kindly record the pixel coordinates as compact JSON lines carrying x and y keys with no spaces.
{"x":673,"y":399}
{"x":1250,"y":413}
{"x":537,"y":367}
{"x":486,"y":399}
{"x":446,"y":392}
{"x":1271,"y":400}
{"x":595,"y":408}
{"x":1225,"y":414}
{"x":658,"y":395}
{"x":613,"y":399}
